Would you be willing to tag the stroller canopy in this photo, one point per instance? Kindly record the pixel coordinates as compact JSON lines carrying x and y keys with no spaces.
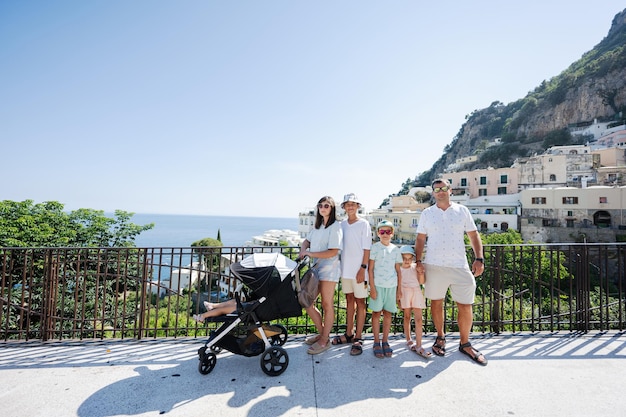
{"x":283,"y":265}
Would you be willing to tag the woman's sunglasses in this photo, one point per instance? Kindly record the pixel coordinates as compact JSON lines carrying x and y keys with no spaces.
{"x":325,"y":205}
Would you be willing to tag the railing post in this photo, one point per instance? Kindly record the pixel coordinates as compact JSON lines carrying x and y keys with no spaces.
{"x":496,"y":291}
{"x":141,"y":314}
{"x":48,"y":295}
{"x":582,"y":291}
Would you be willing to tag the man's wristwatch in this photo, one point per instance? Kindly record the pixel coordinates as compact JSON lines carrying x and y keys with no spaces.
{"x":363,"y":266}
{"x":481,"y":260}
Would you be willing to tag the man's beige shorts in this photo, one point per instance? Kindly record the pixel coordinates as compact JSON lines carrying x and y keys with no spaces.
{"x":349,"y":286}
{"x":460,"y":281}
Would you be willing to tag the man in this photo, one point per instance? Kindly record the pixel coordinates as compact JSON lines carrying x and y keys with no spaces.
{"x":445,"y":265}
{"x":355,"y":256}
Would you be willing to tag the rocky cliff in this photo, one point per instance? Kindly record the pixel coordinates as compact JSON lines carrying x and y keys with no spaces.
{"x":594,"y":87}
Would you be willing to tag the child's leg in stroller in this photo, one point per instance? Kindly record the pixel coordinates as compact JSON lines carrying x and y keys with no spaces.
{"x":219,"y":309}
{"x":228,"y":306}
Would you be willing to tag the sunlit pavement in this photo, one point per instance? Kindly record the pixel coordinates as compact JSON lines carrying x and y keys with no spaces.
{"x":527,"y":375}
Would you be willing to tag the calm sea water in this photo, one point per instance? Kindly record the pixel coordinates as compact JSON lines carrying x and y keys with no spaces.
{"x":182,"y":230}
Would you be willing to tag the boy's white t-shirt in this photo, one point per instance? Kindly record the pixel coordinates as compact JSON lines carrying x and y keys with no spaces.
{"x":357,"y":237}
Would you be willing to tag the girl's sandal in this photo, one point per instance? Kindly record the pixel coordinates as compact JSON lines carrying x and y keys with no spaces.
{"x":423,"y":353}
{"x":387,"y":350}
{"x":378,"y":351}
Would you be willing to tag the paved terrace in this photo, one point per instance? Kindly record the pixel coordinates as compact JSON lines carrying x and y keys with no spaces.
{"x":528,"y":375}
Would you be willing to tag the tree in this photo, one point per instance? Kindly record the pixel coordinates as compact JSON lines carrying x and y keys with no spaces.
{"x":25,"y":224}
{"x":98,"y":266}
{"x":422,"y":196}
{"x":208,"y":251}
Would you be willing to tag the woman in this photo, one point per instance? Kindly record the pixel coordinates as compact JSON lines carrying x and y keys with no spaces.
{"x":322,"y":245}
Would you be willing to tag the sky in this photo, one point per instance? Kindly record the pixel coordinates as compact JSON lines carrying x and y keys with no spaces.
{"x":259,"y":108}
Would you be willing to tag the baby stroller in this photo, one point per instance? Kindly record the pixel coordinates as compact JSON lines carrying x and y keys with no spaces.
{"x":270,"y":278}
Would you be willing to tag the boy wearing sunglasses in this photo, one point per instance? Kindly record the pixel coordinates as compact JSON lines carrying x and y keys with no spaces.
{"x":384,"y":277}
{"x":444,"y":224}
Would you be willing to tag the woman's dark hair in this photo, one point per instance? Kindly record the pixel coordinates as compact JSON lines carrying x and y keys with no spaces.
{"x":319,"y":219}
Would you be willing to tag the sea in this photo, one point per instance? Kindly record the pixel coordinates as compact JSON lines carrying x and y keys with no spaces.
{"x":176,"y":230}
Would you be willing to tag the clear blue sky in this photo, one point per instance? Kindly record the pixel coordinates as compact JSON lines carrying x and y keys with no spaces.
{"x":258,"y":108}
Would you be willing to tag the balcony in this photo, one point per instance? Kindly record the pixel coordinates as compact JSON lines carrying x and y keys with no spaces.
{"x":86,"y":332}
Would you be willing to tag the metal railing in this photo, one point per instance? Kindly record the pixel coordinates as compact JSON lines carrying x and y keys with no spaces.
{"x":98,"y":293}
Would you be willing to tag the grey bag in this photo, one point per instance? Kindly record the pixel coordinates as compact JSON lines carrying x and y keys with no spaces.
{"x":309,"y":288}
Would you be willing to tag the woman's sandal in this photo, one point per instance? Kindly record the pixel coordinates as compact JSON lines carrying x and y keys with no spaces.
{"x":311,"y":340}
{"x":378,"y":351}
{"x":387,"y":350}
{"x":439,"y":349}
{"x":342,"y":339}
{"x":357,"y":347}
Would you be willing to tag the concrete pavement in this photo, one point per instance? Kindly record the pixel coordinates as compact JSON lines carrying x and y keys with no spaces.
{"x":528,"y":375}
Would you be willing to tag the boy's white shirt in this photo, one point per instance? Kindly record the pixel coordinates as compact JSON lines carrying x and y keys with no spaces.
{"x":357,"y":237}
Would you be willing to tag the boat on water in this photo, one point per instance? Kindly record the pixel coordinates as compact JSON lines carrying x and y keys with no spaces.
{"x":275,"y":238}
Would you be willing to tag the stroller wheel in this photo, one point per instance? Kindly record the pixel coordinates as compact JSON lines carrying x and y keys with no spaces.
{"x":207,"y":361}
{"x":274,"y":361}
{"x":279,"y":339}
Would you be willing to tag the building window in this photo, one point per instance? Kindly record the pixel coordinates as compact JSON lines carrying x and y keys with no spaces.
{"x":570,"y":200}
{"x":603,"y":200}
{"x":569,"y":223}
{"x":483,"y":180}
{"x":504,"y":179}
{"x":570,"y":213}
{"x":501,"y":190}
{"x":463,"y":182}
{"x":450,"y":181}
{"x":538,"y":200}
{"x":482,"y":191}
{"x":552,"y":177}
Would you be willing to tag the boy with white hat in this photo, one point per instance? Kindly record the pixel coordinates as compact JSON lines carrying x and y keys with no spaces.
{"x":355,"y":256}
